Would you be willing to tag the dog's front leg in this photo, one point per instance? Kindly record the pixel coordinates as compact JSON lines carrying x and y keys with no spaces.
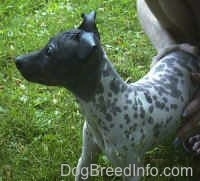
{"x":90,"y":152}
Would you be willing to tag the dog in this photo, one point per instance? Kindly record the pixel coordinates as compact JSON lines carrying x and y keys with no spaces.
{"x":123,"y":120}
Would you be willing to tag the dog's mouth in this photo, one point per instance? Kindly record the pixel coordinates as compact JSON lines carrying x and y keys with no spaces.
{"x":31,"y":76}
{"x":35,"y":76}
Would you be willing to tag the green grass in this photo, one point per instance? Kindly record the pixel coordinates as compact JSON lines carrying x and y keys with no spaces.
{"x":41,"y":127}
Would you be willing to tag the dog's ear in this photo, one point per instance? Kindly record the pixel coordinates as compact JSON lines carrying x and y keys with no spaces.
{"x":86,"y":45}
{"x":89,"y":23}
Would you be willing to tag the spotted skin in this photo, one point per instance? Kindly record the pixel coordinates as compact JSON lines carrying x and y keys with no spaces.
{"x":122,"y":120}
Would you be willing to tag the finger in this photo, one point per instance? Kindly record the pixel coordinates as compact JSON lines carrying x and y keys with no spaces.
{"x":192,"y":107}
{"x":195,"y":77}
{"x":193,"y":139}
{"x":196,"y":146}
{"x":198,"y":151}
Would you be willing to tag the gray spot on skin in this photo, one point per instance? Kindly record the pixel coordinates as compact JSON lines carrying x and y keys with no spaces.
{"x":168,"y":120}
{"x":125,"y":107}
{"x":107,"y":71}
{"x":142,"y":112}
{"x":123,"y":88}
{"x":127,"y":133}
{"x":109,"y":94}
{"x":159,"y":105}
{"x":129,"y":101}
{"x":135,"y":107}
{"x":107,"y":141}
{"x":163,"y":79}
{"x":160,"y":89}
{"x":130,"y":130}
{"x":100,"y":89}
{"x":121,"y":126}
{"x":167,"y":109}
{"x":155,"y":97}
{"x":105,"y":128}
{"x":108,"y":117}
{"x":117,"y":109}
{"x":156,"y":130}
{"x":133,"y":128}
{"x":165,"y":99}
{"x":143,"y":123}
{"x":143,"y":136}
{"x":178,"y":72}
{"x":176,"y":93}
{"x":87,"y":133}
{"x":151,"y":109}
{"x":173,"y":86}
{"x":115,"y":86}
{"x":174,"y":106}
{"x":127,"y":118}
{"x":148,"y":97}
{"x":140,"y":102}
{"x":170,"y":88}
{"x":101,"y":104}
{"x":130,"y":89}
{"x":135,"y":115}
{"x":125,"y":148}
{"x":113,"y":108}
{"x":182,"y":99}
{"x":126,"y":96}
{"x":99,"y":121}
{"x":112,"y":125}
{"x":142,"y":115}
{"x":160,"y":68}
{"x":186,"y":61}
{"x":150,"y":120}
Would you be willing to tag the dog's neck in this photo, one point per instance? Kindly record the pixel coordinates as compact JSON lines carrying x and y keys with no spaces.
{"x":110,"y":80}
{"x":106,"y":81}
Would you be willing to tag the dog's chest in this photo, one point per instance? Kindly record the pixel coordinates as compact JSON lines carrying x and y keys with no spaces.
{"x":138,"y":115}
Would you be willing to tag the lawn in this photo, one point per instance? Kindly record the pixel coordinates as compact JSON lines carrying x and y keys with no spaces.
{"x":41,"y":127}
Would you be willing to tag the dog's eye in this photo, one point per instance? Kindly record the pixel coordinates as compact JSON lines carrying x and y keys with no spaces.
{"x":50,"y":50}
{"x":75,"y":36}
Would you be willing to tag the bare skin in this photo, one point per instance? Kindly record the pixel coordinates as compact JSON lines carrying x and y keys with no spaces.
{"x":168,"y":23}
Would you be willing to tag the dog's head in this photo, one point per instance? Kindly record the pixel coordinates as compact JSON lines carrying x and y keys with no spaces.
{"x":69,"y":59}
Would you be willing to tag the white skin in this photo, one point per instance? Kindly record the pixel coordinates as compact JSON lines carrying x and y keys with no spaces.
{"x":168,"y":23}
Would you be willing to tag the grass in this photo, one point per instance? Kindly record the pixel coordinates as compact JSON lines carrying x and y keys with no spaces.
{"x":40,"y":127}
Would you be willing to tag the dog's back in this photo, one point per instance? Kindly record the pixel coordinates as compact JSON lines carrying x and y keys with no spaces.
{"x":161,"y":95}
